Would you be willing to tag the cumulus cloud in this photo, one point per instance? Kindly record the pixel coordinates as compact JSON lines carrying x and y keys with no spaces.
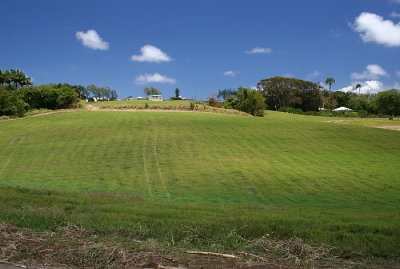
{"x":395,"y":15}
{"x":346,"y":89}
{"x":259,"y":50}
{"x":287,"y":75}
{"x":151,"y":54}
{"x":372,"y":71}
{"x":398,"y":73}
{"x":230,"y":73}
{"x":153,"y":78}
{"x":92,"y":40}
{"x":373,"y":28}
{"x":369,"y":86}
{"x":395,"y":1}
{"x":372,"y":86}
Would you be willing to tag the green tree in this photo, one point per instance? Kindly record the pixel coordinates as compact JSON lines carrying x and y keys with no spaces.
{"x":50,"y":96}
{"x":11,"y":104}
{"x":225,"y":93}
{"x":343,"y":98}
{"x":388,"y":102}
{"x":14,"y":78}
{"x":250,"y":101}
{"x":329,"y":81}
{"x":151,"y":91}
{"x":291,"y":92}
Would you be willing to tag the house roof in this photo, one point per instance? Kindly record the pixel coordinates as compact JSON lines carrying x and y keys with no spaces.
{"x":342,"y":108}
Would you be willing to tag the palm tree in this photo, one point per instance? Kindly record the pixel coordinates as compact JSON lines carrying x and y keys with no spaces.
{"x":329,"y":81}
{"x":358,"y":86}
{"x":18,"y":77}
{"x":6,"y":77}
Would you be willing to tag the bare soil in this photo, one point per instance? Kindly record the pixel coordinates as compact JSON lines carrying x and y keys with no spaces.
{"x":389,"y":127}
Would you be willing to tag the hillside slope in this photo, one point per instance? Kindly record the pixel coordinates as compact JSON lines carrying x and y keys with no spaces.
{"x":285,"y":175}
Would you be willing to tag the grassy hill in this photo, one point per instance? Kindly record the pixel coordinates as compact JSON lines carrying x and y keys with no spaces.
{"x":193,"y":178}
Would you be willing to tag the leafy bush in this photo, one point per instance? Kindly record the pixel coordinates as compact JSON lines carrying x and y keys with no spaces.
{"x":11,"y":104}
{"x":249,"y":101}
{"x":46,"y":96}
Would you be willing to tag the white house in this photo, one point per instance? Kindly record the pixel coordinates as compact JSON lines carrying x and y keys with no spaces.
{"x":139,"y":98}
{"x":342,"y":108}
{"x":155,"y":98}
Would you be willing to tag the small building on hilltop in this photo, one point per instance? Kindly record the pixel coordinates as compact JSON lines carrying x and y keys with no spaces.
{"x":155,"y":97}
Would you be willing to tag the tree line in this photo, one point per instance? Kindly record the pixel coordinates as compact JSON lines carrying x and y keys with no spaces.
{"x":291,"y":94}
{"x":309,"y":96}
{"x":17,"y":95}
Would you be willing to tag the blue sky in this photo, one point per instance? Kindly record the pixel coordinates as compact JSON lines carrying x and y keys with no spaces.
{"x":202,"y":46}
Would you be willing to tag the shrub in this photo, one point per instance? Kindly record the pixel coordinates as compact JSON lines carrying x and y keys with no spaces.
{"x":11,"y":104}
{"x":46,"y":96}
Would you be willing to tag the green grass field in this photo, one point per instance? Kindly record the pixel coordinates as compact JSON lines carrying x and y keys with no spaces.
{"x":195,"y":178}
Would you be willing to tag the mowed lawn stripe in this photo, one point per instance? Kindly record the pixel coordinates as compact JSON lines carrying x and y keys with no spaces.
{"x":281,"y":159}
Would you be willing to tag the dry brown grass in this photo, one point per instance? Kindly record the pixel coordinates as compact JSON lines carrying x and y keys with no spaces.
{"x":294,"y":249}
{"x":74,"y":247}
{"x":71,"y":246}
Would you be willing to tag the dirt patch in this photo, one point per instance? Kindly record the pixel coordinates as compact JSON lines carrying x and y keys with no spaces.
{"x":389,"y":127}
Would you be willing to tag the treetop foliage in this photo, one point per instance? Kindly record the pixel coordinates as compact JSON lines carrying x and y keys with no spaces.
{"x":247,"y":100}
{"x":14,"y":78}
{"x":225,"y":93}
{"x":151,"y":91}
{"x":291,"y":92}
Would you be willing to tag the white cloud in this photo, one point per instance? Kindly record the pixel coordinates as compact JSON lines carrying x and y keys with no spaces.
{"x":151,"y":54}
{"x":373,"y":28}
{"x":372,"y":71}
{"x":372,"y":86}
{"x":92,"y":40}
{"x":230,"y":73}
{"x":398,"y":73}
{"x":153,"y":78}
{"x":396,"y":1}
{"x":287,"y":75}
{"x":259,"y":50}
{"x":346,"y":89}
{"x":395,"y":15}
{"x":313,"y":75}
{"x":369,"y":86}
